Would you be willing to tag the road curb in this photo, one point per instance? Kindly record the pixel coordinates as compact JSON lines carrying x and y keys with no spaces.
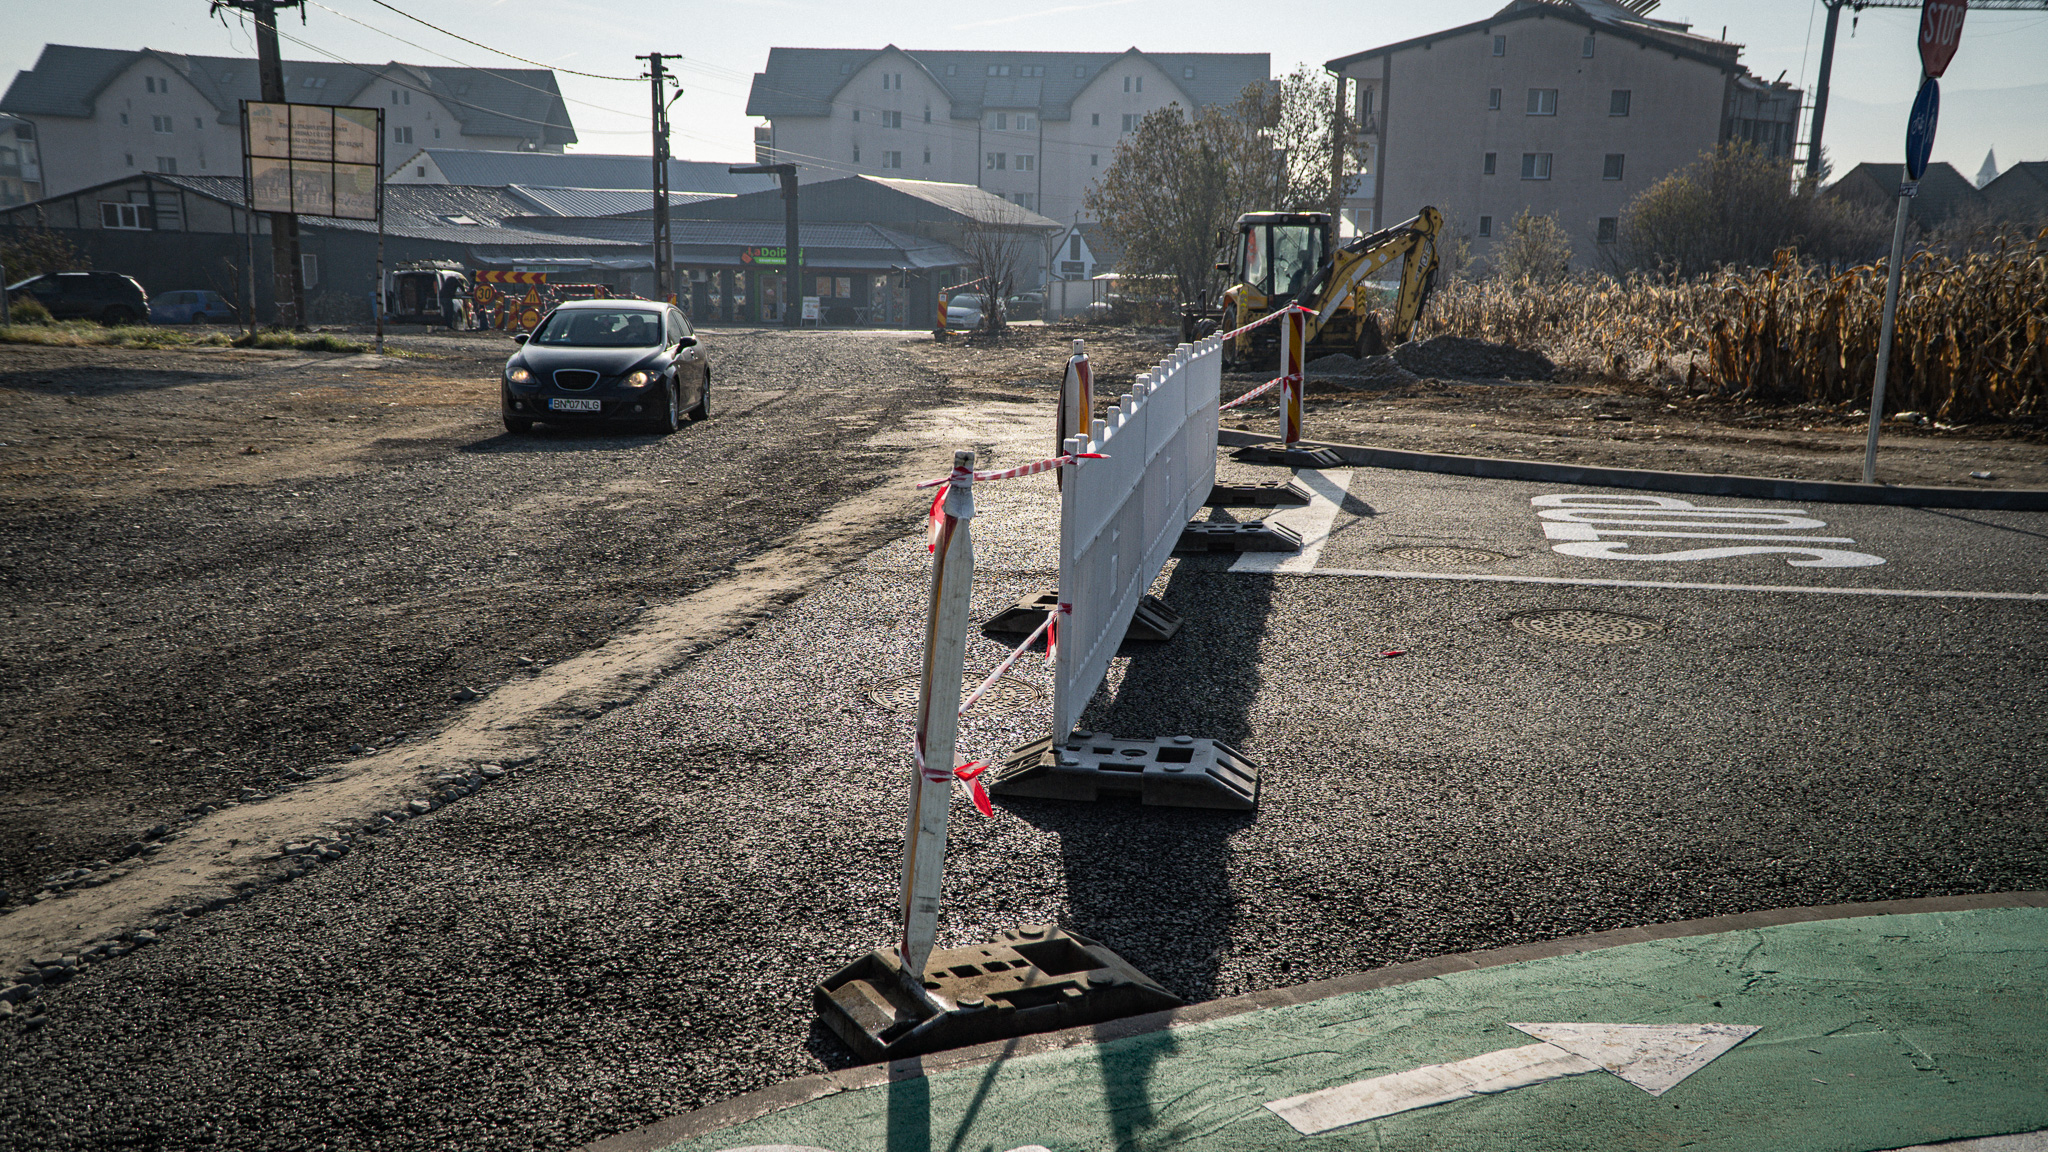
{"x":753,"y":1105}
{"x":1698,"y":483}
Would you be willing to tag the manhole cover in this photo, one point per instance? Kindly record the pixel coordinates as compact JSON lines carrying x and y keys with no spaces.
{"x":1444,"y":555}
{"x":1003,"y":695}
{"x":1584,"y":627}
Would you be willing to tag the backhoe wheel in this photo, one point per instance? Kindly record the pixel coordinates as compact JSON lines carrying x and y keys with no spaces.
{"x":1230,"y":324}
{"x":1371,"y":342}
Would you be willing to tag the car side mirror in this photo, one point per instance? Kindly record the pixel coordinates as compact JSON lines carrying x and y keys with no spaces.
{"x":687,"y":342}
{"x":519,"y":337}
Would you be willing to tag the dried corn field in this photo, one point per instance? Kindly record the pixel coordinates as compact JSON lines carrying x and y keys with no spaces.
{"x":1971,"y":340}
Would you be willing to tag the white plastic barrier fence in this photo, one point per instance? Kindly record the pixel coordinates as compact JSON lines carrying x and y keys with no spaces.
{"x":1120,"y":517}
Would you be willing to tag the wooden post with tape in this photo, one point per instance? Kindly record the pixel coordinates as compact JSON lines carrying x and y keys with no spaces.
{"x":1293,"y":327}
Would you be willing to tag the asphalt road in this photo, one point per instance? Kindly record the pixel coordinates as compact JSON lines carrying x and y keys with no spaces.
{"x":630,"y":927}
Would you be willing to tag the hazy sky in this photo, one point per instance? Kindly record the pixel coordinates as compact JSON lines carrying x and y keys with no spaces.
{"x":1995,"y":94}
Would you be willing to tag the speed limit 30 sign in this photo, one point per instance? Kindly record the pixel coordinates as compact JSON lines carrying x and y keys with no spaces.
{"x":1941,"y":29}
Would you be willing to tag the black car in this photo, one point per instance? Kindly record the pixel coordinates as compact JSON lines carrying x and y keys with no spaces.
{"x":107,"y":297}
{"x":599,"y":360}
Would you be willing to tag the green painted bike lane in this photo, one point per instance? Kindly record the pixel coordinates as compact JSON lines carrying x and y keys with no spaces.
{"x":1877,"y":1031}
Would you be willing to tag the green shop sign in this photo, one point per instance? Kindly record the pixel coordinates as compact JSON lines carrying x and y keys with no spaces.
{"x":769,"y":257}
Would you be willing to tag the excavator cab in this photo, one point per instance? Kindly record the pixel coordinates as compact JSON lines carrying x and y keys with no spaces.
{"x":1279,"y":253}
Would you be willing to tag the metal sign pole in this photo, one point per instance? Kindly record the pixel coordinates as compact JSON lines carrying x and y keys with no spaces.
{"x":379,"y":305}
{"x":1884,"y":339}
{"x":938,"y":711}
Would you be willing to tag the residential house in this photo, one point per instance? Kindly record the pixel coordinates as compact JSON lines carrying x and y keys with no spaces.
{"x":688,"y":180}
{"x":1035,"y":128}
{"x":1568,"y":108}
{"x":2020,"y":194}
{"x":1944,"y":195}
{"x":101,"y":114}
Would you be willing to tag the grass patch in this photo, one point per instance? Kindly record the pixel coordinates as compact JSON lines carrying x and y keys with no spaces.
{"x":86,"y":334}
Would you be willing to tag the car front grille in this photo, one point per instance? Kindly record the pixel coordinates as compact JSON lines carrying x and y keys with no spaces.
{"x":575,"y":378}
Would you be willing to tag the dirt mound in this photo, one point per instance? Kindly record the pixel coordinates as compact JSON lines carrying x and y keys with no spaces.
{"x":1461,"y":357}
{"x":1344,"y":371}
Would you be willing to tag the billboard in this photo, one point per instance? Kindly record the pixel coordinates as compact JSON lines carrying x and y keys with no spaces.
{"x":313,"y":159}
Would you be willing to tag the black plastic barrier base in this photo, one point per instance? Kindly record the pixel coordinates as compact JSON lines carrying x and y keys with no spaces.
{"x":1301,"y":455}
{"x":1173,"y":771}
{"x":1264,"y":494}
{"x":1032,"y":979}
{"x":1250,"y":536}
{"x":1152,"y":621}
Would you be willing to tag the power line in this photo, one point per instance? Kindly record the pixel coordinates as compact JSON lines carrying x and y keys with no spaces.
{"x":497,"y":51}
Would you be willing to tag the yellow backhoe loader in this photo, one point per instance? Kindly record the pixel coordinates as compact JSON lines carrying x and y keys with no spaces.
{"x":1279,"y":258}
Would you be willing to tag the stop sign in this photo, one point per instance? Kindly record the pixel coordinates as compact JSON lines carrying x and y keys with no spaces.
{"x":1941,"y":29}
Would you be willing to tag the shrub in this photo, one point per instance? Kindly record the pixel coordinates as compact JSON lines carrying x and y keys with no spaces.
{"x":1737,"y":205}
{"x":27,"y":310}
{"x":1535,"y":249}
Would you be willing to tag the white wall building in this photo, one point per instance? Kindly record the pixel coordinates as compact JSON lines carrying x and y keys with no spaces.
{"x":1558,"y":107}
{"x":1036,"y":128}
{"x":102,"y":114}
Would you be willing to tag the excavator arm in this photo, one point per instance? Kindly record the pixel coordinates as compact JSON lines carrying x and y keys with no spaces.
{"x":1412,"y":241}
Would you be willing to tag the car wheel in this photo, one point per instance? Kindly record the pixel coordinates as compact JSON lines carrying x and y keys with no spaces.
{"x":672,"y":412}
{"x":114,"y":317}
{"x":518,"y":425}
{"x":702,"y":409}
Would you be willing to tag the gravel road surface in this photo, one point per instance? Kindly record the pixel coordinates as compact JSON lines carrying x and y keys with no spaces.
{"x":628,"y":926}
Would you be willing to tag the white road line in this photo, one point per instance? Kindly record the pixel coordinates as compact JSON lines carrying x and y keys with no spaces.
{"x":1923,"y":593}
{"x":1325,"y":494}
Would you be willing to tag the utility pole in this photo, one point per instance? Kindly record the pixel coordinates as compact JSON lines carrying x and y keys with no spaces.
{"x":664,"y":248}
{"x":288,"y":285}
{"x":792,"y":292}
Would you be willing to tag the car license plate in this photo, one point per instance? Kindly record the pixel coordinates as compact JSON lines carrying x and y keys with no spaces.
{"x":557,"y":404}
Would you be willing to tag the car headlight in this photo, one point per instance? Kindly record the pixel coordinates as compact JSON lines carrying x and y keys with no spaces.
{"x":518,"y":376}
{"x":639,"y":379}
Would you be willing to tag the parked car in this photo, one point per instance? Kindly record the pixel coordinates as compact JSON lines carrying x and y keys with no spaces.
{"x":191,"y":306}
{"x":596,"y":360}
{"x":963,"y":312}
{"x":1025,"y":306}
{"x":107,"y":297}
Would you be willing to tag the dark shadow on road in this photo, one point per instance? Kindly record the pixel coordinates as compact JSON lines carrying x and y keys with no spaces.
{"x":83,"y":383}
{"x":910,"y":1108}
{"x":1154,"y":884}
{"x":554,"y":438}
{"x":1981,"y":523}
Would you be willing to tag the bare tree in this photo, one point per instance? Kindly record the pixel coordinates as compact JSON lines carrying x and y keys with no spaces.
{"x":996,"y":239}
{"x":1535,"y":249}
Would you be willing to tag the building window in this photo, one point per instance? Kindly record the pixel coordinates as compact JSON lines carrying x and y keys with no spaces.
{"x":1080,"y":73}
{"x":1026,"y":123}
{"x":1586,"y":49}
{"x":927,"y":113}
{"x":401,"y":135}
{"x":845,"y":69}
{"x":927,"y":155}
{"x":160,"y":124}
{"x":1610,"y":169}
{"x":1487,"y":167}
{"x":124,"y":118}
{"x":198,"y":124}
{"x":1095,"y":119}
{"x":168,"y":165}
{"x":856,"y":115}
{"x":1002,"y":121}
{"x":1500,"y":45}
{"x":1535,"y":165}
{"x":1493,"y":99}
{"x":892,"y":159}
{"x":437,"y":133}
{"x":1035,"y":70}
{"x":1187,"y":73}
{"x":129,"y":217}
{"x":952,"y":69}
{"x":1610,"y":227}
{"x":1365,"y":102}
{"x":1094,"y":159}
{"x":856,"y":153}
{"x":997,"y":161}
{"x":149,"y":83}
{"x":130,"y":158}
{"x":1026,"y":162}
{"x":1486,"y":225}
{"x":892,"y":119}
{"x":1127,"y":83}
{"x":1074,"y":247}
{"x":1131,"y":121}
{"x":1542,"y":101}
{"x":421,"y":170}
{"x":1617,"y":102}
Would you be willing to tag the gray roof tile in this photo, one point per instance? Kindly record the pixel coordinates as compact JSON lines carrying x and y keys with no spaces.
{"x":806,"y":81}
{"x":516,"y":102}
{"x":590,"y":170}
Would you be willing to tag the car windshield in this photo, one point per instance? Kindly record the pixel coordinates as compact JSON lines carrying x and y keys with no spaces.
{"x":591,"y":328}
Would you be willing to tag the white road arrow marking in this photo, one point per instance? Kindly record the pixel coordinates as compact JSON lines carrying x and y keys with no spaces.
{"x":1652,"y":1057}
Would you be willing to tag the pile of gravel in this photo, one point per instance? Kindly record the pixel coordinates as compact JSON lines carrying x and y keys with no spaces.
{"x":1460,"y":357}
{"x":1352,"y":372}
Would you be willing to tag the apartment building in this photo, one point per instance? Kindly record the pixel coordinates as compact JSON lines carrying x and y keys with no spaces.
{"x":102,"y":114}
{"x":1558,"y":107}
{"x":1035,"y":128}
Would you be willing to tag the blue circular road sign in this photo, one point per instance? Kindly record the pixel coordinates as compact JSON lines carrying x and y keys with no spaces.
{"x":1920,"y":128}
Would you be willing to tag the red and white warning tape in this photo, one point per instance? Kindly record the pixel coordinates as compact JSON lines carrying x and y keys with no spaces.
{"x":1255,"y":393}
{"x":1267,"y":319}
{"x":937,"y":515}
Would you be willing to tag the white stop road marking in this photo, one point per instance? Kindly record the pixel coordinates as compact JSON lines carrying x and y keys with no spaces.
{"x":1609,"y":526}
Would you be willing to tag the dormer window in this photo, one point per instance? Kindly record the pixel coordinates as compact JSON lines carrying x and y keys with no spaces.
{"x":1188,"y":73}
{"x":464,"y":221}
